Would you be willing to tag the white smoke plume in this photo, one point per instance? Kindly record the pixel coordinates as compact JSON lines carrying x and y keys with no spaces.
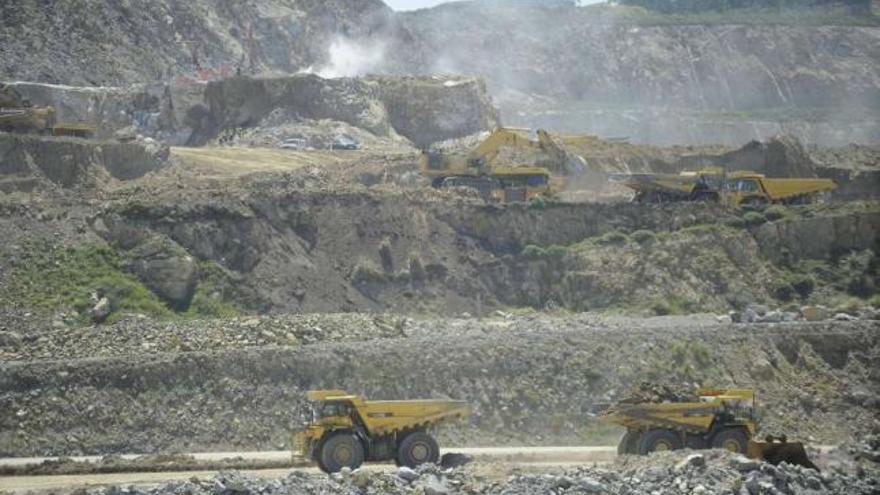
{"x":350,"y":58}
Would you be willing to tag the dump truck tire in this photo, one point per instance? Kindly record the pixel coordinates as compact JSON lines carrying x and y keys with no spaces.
{"x":417,"y":448}
{"x":732,"y":440}
{"x":340,"y":450}
{"x":659,"y":440}
{"x":629,"y":443}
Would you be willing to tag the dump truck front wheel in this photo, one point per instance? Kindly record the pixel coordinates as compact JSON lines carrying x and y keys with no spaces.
{"x":417,"y":448}
{"x":659,"y":440}
{"x":341,"y":450}
{"x":732,"y":439}
{"x":629,"y":443}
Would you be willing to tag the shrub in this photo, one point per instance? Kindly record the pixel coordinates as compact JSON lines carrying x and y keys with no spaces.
{"x":416,"y":268}
{"x":736,"y":223}
{"x":803,"y":284}
{"x":532,"y":252}
{"x":783,"y":291}
{"x":643,"y":236}
{"x":367,"y":271}
{"x":775,"y":212}
{"x":615,"y":237}
{"x":753,"y":218}
{"x":556,"y":253}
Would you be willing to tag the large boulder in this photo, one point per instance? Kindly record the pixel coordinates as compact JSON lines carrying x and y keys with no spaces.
{"x":166,"y":269}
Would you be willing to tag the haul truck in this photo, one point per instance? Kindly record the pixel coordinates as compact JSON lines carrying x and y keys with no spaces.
{"x":712,"y":418}
{"x":347,"y":430}
{"x":749,"y":188}
{"x":735,"y":188}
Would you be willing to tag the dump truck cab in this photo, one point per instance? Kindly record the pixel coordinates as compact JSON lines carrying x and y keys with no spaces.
{"x":347,"y":430}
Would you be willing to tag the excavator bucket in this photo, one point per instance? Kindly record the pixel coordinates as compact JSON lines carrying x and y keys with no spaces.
{"x":777,"y":450}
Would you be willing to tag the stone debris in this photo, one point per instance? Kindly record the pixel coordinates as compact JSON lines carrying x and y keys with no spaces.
{"x":712,"y":472}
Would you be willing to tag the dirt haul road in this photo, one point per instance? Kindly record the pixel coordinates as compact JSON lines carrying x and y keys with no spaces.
{"x":513,"y":456}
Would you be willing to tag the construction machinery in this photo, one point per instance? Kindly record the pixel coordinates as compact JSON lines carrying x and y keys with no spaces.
{"x":700,"y":185}
{"x":718,"y":418}
{"x":347,"y":430}
{"x":750,"y":188}
{"x":477,"y":170}
{"x":17,"y":114}
{"x":713,"y":184}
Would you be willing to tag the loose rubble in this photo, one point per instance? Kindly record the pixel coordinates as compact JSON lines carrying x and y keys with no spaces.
{"x":711,"y":472}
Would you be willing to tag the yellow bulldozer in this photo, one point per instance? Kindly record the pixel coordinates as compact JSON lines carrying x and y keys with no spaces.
{"x":718,"y":418}
{"x":347,"y":430}
{"x":507,"y":183}
{"x":18,"y":114}
{"x":714,"y":185}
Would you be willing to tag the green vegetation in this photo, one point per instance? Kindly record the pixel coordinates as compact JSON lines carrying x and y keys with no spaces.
{"x":776,"y":212}
{"x":366,"y":271}
{"x":643,"y":237}
{"x":212,"y":296}
{"x":753,"y":218}
{"x":674,"y":305}
{"x":550,"y":253}
{"x":51,"y":278}
{"x":614,"y":237}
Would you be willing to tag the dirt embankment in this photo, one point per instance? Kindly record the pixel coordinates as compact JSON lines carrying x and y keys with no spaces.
{"x":533,"y":381}
{"x":32,"y":162}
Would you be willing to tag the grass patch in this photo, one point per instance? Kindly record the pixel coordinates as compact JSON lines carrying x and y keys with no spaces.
{"x":50,"y":278}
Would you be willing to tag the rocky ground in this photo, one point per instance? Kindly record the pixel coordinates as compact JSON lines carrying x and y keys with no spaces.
{"x":530,"y":380}
{"x":693,"y":473}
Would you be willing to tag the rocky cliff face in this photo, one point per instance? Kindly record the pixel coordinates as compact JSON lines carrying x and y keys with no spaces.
{"x":571,"y":68}
{"x":120,"y":42}
{"x":561,"y":67}
{"x":421,"y":109}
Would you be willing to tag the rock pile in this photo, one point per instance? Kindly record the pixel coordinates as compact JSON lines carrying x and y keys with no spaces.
{"x":674,"y":473}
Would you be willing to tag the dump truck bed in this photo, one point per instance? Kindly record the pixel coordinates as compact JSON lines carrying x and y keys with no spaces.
{"x":385,"y":416}
{"x":671,"y":183}
{"x":787,"y":188}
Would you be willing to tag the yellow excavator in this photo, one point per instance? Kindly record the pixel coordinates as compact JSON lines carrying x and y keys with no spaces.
{"x":508,"y":183}
{"x":18,"y":114}
{"x":718,"y":418}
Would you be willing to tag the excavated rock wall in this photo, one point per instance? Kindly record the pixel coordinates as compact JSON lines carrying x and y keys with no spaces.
{"x":25,"y":160}
{"x":579,"y":70}
{"x":536,"y":384}
{"x":117,"y":43}
{"x":422,"y":110}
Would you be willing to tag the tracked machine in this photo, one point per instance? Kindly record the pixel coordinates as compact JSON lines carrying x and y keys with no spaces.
{"x":478,"y":169}
{"x":347,"y":430}
{"x":710,"y":418}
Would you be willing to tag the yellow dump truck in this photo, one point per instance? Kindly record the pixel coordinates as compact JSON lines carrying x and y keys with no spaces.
{"x":700,"y":185}
{"x":504,"y":183}
{"x":750,"y":188}
{"x":711,"y":418}
{"x":347,"y":430}
{"x":735,"y":188}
